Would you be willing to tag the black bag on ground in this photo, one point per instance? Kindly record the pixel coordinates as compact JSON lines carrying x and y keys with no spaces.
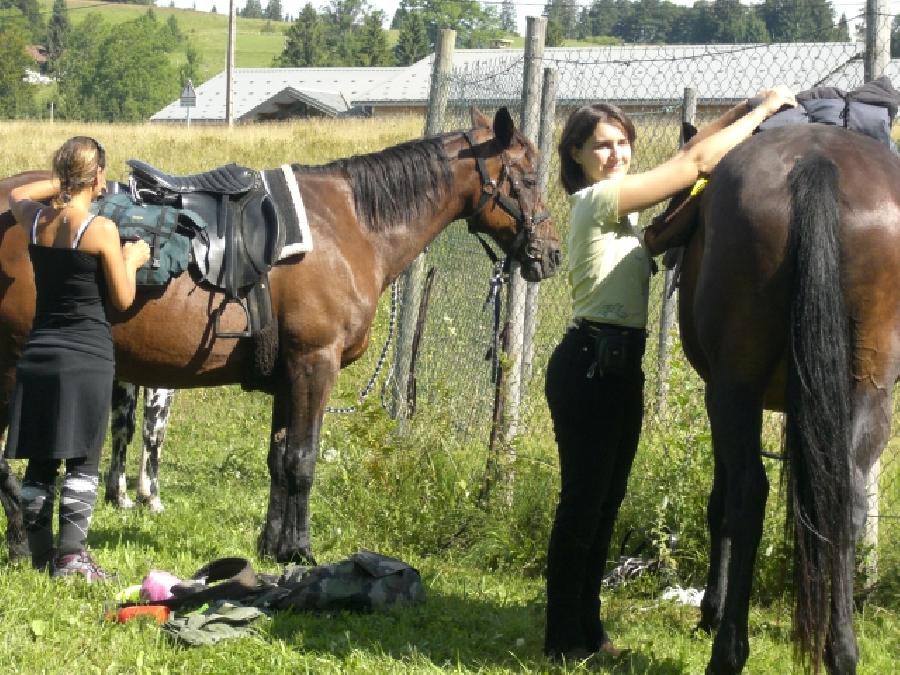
{"x":365,"y":581}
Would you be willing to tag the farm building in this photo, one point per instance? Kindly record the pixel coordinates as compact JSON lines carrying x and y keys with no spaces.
{"x":638,"y":77}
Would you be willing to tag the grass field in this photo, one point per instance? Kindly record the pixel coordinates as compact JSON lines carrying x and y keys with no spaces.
{"x":408,"y":493}
{"x":257,"y":41}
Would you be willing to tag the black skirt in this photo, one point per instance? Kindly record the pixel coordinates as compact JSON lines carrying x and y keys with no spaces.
{"x":60,"y":406}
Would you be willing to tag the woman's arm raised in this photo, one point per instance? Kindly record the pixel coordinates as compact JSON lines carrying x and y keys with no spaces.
{"x":26,"y":200}
{"x":642,"y":190}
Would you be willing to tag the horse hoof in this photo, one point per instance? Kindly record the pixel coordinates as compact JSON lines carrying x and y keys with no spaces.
{"x":18,"y":550}
{"x":704,"y":628}
{"x":154,"y":504}
{"x":268,"y":549}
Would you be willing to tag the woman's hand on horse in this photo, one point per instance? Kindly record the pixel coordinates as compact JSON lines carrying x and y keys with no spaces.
{"x":136,"y":253}
{"x":776,"y":98}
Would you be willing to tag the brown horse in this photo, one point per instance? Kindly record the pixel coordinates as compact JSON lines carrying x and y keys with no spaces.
{"x":790,"y":301}
{"x":369,"y":216}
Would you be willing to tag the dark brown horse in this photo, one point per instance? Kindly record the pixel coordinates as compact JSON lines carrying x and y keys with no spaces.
{"x":370,"y":216}
{"x":790,"y":300}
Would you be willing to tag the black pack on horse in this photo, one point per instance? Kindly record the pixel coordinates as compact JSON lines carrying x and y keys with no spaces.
{"x":790,"y":301}
{"x":369,"y":216}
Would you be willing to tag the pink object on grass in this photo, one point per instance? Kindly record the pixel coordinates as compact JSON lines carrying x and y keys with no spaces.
{"x":157,"y":586}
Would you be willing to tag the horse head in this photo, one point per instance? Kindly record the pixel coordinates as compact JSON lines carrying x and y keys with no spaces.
{"x":508,"y":205}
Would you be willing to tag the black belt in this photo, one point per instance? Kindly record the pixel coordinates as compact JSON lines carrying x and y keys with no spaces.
{"x":595,"y":328}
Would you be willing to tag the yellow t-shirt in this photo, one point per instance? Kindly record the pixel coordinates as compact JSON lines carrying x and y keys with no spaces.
{"x":609,"y":269}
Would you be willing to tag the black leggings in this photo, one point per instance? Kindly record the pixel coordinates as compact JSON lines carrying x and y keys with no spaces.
{"x":46,"y":471}
{"x":597,"y":422}
{"x":78,"y":496}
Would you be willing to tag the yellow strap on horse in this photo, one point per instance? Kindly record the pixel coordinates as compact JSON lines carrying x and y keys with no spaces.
{"x":699,"y":186}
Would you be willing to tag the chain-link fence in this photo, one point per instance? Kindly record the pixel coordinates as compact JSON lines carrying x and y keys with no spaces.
{"x":454,"y":363}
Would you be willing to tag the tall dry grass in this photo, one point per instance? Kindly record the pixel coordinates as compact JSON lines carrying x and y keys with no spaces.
{"x":180,"y":149}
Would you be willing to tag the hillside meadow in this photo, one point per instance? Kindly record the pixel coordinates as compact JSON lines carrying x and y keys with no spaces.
{"x":406,"y":492}
{"x":257,"y":41}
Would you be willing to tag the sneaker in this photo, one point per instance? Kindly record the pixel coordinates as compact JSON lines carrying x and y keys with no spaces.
{"x":81,"y":563}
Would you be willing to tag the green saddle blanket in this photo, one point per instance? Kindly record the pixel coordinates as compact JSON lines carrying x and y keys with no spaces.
{"x":167,"y":230}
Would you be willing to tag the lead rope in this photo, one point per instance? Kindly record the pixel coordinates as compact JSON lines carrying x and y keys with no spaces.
{"x":494,"y":299}
{"x":395,"y":294}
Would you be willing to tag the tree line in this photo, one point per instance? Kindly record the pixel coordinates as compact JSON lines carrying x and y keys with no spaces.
{"x":103,"y":71}
{"x":351,"y":33}
{"x":124,"y":71}
{"x":706,"y":22}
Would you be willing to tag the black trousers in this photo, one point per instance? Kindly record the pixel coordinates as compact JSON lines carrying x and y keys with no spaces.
{"x":597,"y":422}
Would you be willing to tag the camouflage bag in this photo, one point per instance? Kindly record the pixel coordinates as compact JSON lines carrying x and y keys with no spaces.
{"x":365,"y":581}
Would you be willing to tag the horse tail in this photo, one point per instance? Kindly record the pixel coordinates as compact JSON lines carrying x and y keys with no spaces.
{"x":818,"y":413}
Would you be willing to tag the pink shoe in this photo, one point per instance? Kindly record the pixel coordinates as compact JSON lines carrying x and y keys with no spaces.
{"x":81,"y":563}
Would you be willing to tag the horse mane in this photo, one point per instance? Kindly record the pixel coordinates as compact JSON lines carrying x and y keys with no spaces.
{"x":395,"y":186}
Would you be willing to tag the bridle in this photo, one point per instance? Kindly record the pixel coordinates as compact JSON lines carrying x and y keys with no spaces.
{"x":523,"y":243}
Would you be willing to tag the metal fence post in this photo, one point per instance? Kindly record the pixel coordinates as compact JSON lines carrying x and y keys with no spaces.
{"x":414,"y":276}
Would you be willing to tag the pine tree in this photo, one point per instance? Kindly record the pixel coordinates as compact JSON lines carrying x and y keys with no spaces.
{"x":252,"y":10}
{"x":405,"y":8}
{"x":274,"y":12}
{"x":58,"y":31}
{"x":412,"y":43}
{"x":372,"y":47}
{"x":508,"y":17}
{"x":305,"y":45}
{"x":843,"y":30}
{"x":191,"y":68}
{"x":792,"y":21}
{"x":564,"y":13}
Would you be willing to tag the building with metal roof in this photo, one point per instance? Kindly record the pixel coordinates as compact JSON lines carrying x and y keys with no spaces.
{"x":635,"y":76}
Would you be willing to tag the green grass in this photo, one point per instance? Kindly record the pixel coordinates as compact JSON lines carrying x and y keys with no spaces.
{"x":474,"y":620}
{"x":409,"y":494}
{"x":257,"y":41}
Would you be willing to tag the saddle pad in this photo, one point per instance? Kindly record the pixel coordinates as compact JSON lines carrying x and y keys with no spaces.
{"x":281,"y":184}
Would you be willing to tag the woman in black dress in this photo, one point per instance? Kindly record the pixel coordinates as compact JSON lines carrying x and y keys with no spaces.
{"x":60,"y":406}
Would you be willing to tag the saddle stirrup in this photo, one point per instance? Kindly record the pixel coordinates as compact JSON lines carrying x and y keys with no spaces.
{"x":217,"y":330}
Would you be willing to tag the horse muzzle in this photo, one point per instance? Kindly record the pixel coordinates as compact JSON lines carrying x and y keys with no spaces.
{"x":542,"y":261}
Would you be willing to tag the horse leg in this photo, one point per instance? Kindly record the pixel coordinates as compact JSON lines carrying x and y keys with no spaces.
{"x":297,"y":411}
{"x":870,"y":431}
{"x":124,"y":398}
{"x":720,"y":546}
{"x":11,"y":498}
{"x":157,"y":406}
{"x":735,"y":415}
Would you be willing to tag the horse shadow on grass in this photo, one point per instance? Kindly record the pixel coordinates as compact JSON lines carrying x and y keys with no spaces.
{"x":448,"y":631}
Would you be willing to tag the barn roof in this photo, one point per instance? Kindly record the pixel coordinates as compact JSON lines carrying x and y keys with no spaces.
{"x":254,"y":89}
{"x":625,"y":73}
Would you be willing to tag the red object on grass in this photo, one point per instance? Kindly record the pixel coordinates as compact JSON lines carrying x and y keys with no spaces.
{"x":159,"y":613}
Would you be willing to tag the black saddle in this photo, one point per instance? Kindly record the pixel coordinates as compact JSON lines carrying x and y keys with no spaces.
{"x":243,"y":238}
{"x":230,"y":179}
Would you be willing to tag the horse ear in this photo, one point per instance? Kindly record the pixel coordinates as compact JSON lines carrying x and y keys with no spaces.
{"x":479,"y":119}
{"x":504,"y":127}
{"x":688,"y":131}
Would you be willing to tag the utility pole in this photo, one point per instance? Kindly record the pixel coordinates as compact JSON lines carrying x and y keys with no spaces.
{"x":229,"y":67}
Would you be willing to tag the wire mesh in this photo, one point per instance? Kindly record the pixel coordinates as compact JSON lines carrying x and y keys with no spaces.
{"x":454,"y":373}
